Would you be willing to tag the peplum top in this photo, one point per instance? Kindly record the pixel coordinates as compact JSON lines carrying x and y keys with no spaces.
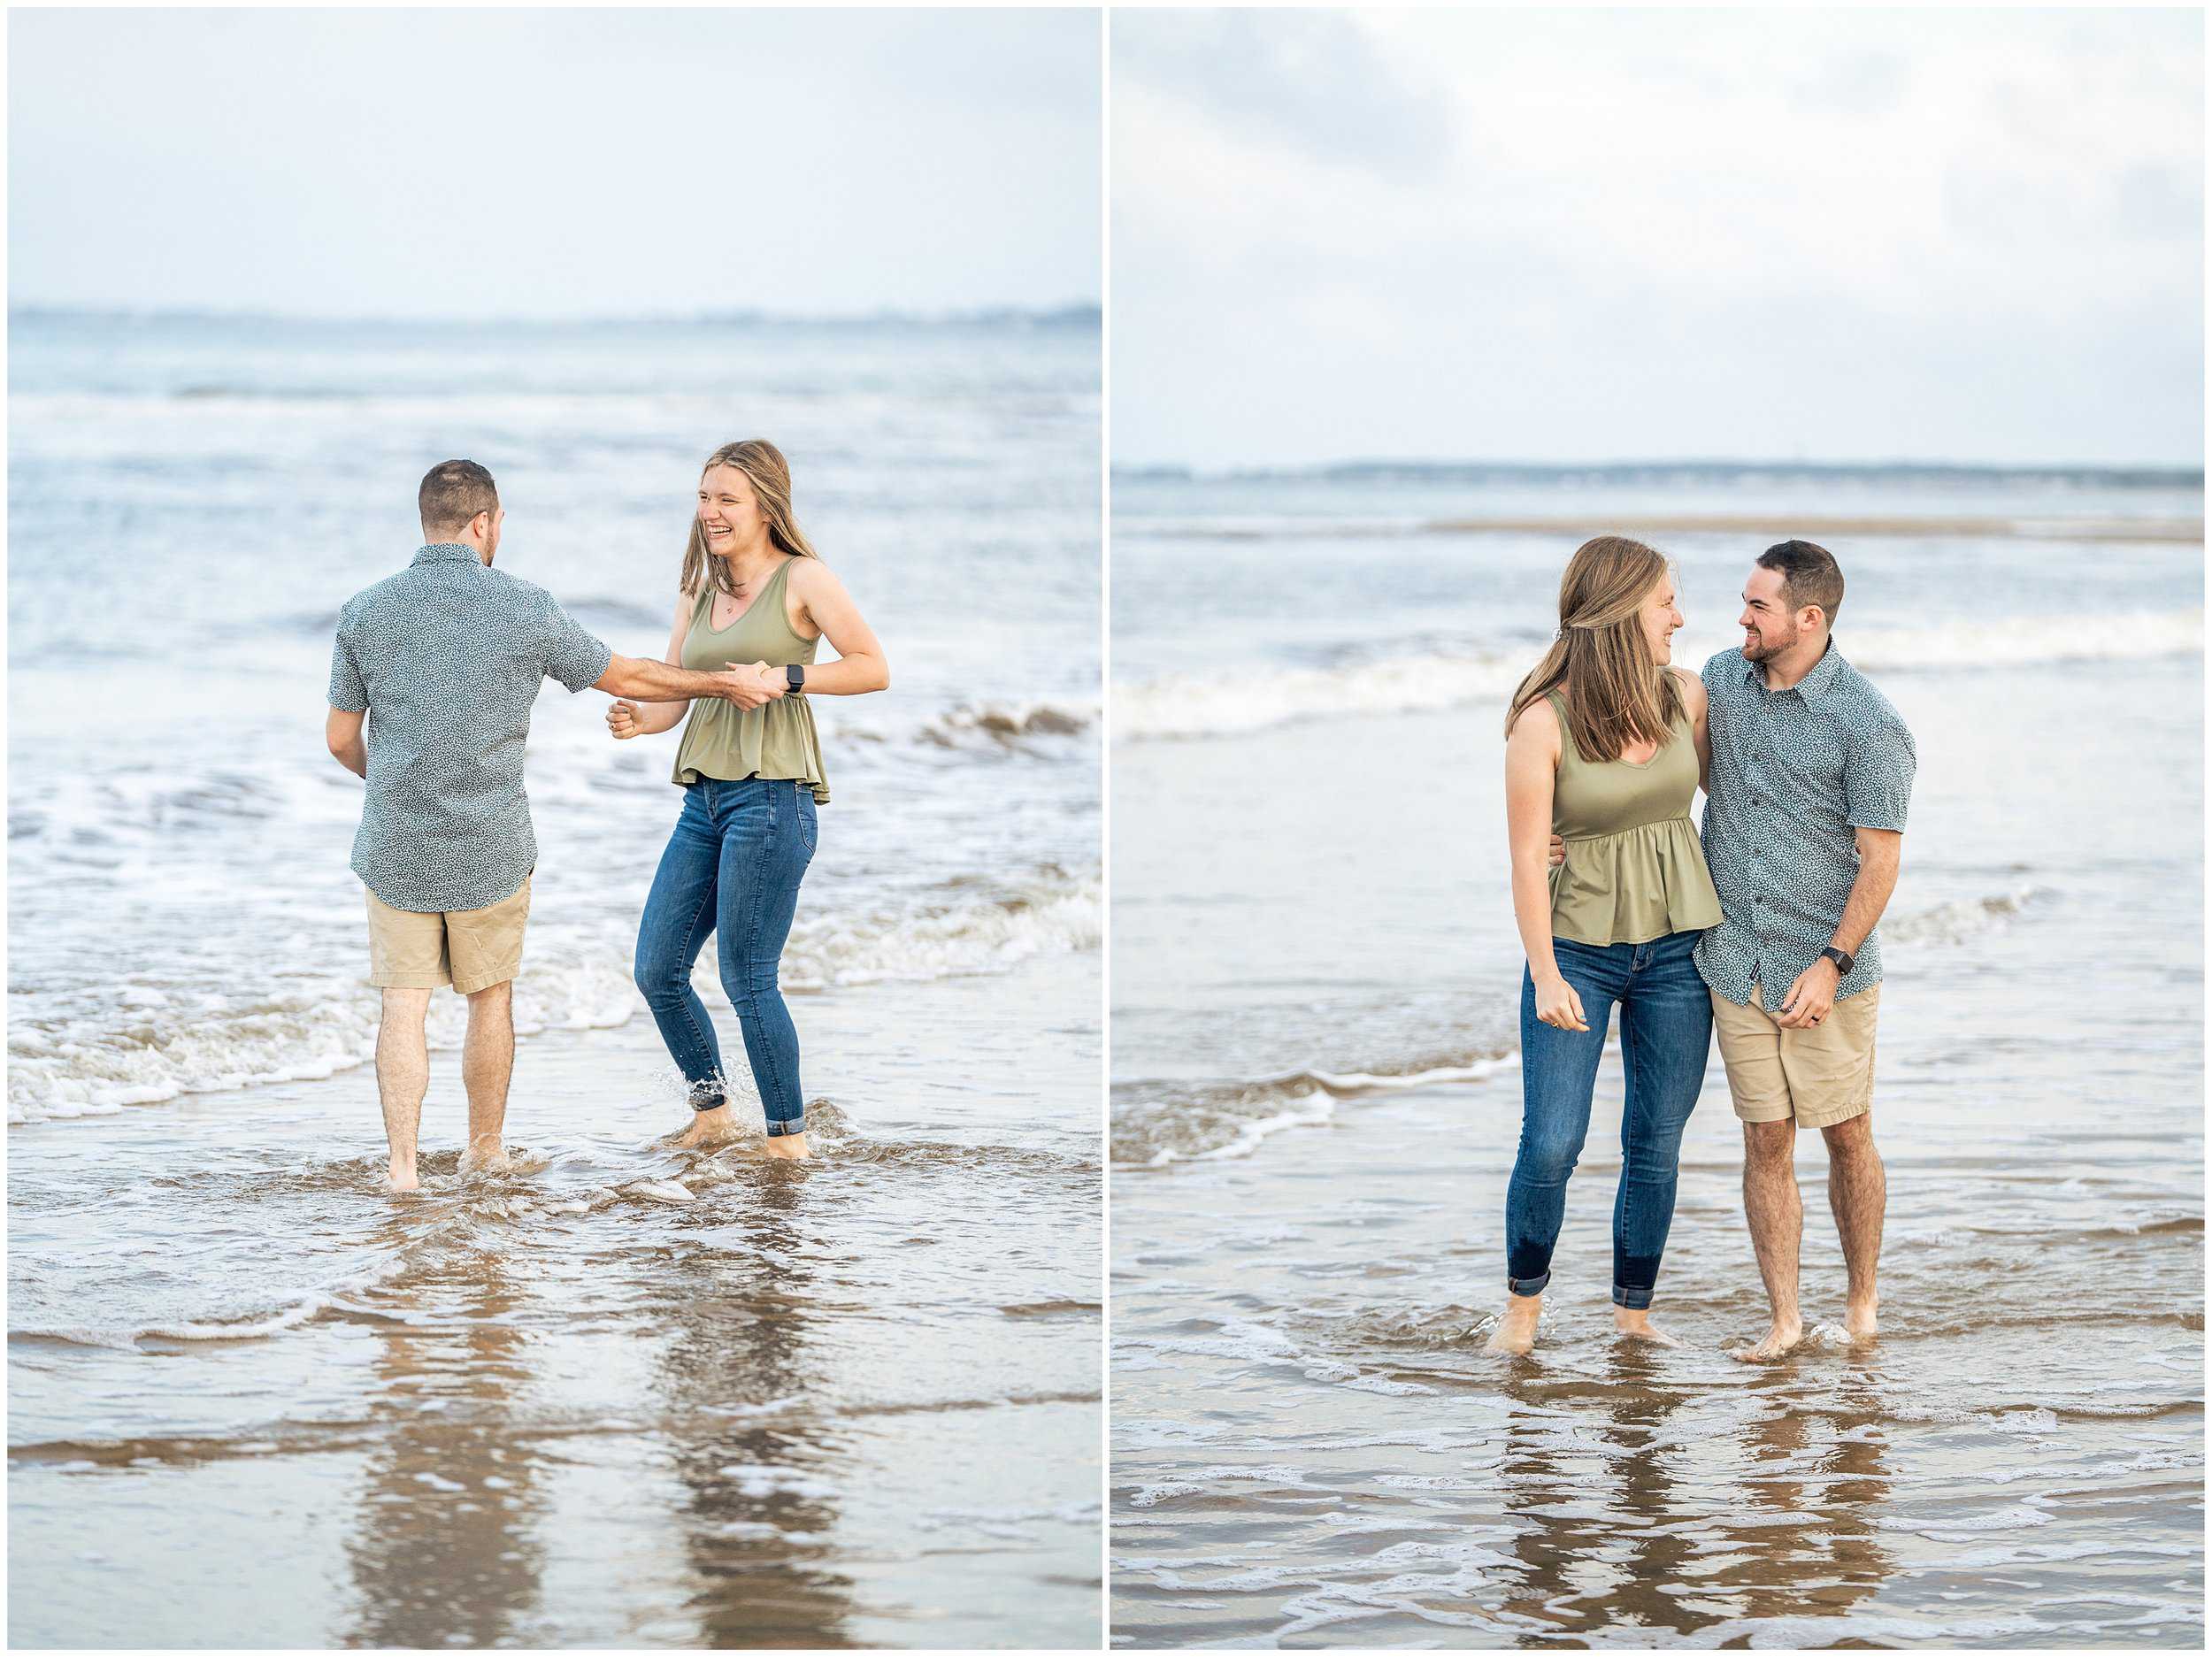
{"x":1635,"y":870}
{"x":774,"y":740}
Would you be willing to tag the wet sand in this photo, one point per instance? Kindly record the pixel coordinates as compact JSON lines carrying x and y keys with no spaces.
{"x":619,"y":1395}
{"x":1311,"y":1447}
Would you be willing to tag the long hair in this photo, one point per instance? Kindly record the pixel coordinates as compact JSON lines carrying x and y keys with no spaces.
{"x":1615,"y":692}
{"x":770,"y":474}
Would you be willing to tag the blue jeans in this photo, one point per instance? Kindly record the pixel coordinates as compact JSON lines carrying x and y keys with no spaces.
{"x":1666,"y":1026}
{"x":733,"y":868}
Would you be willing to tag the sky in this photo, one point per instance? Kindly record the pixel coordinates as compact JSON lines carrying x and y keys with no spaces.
{"x":545,"y":162}
{"x":1577,"y":235}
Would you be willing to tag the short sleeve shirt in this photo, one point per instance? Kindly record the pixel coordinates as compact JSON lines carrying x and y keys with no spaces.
{"x":1794,"y":773}
{"x":448,"y":657}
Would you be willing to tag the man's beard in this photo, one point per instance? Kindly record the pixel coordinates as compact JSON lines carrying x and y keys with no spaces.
{"x":1768,"y":648}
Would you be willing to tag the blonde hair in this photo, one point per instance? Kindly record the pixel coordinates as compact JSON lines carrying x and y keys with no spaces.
{"x":770,"y":474}
{"x":1615,"y":692}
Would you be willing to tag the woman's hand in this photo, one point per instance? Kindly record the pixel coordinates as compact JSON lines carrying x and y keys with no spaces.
{"x":622,"y":721}
{"x":1558,"y":1004}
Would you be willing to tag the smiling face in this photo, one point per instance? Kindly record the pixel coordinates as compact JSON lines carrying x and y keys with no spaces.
{"x":729,"y":511}
{"x":1661,"y":620}
{"x":1770,"y":626}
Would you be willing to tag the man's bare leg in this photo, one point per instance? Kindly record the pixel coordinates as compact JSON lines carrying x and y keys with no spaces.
{"x":1772,"y":1205}
{"x":402,"y":1076}
{"x":1858,"y":1193}
{"x":487,"y":1064}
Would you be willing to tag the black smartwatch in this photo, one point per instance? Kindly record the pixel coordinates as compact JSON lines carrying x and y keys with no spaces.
{"x":795,"y":679}
{"x":1843,"y":961}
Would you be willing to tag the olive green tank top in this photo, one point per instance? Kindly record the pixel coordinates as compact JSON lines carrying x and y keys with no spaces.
{"x":774,"y":740}
{"x":1634,"y":869}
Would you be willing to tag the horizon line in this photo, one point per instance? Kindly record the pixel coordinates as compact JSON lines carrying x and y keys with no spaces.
{"x":1348,"y":469}
{"x":1068,"y":312}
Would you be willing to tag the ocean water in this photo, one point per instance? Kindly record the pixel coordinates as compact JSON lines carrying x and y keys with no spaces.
{"x":621,"y":1395}
{"x":1316,"y":1097}
{"x":190,"y":502}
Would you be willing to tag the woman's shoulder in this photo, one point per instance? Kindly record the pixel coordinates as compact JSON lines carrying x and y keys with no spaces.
{"x":1691,"y":686}
{"x":805,"y":574}
{"x":1539,"y":721}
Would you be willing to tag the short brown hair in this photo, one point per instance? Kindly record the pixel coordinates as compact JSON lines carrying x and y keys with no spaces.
{"x":452,"y":493}
{"x":1809,"y":574}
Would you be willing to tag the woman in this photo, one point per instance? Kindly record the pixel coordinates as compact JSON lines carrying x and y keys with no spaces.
{"x":753,"y":591}
{"x":1606,"y":746}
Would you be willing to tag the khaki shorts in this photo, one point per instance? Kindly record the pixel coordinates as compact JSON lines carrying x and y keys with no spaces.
{"x":471,"y":949}
{"x":1820,"y":1075}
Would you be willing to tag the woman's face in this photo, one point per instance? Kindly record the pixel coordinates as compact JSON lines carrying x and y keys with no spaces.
{"x":729,"y":511}
{"x":1661,"y":619}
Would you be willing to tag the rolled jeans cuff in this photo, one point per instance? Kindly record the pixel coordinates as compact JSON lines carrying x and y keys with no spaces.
{"x":707,"y":1096}
{"x":1527,"y":1286}
{"x":776,"y":1130}
{"x":1635,"y":1299}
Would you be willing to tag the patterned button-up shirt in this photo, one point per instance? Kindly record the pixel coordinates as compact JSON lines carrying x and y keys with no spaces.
{"x":448,"y":657}
{"x":1794,"y":772}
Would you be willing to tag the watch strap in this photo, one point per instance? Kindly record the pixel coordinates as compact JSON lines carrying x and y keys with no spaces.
{"x":1844,"y":963}
{"x":794,"y":676}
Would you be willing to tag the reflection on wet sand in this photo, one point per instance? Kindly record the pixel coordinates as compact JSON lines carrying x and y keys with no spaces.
{"x":1828,"y":1555}
{"x":1631,"y":1526}
{"x":758,"y":1476}
{"x":444,"y":1554}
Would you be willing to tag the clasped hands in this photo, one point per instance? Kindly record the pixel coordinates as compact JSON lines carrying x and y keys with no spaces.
{"x":751,"y":686}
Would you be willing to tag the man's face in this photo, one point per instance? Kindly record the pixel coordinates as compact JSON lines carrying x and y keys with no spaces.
{"x":491,"y":535}
{"x":1769,"y":627}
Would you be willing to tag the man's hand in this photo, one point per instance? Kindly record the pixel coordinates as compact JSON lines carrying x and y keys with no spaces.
{"x":622,"y":720}
{"x":1558,"y":851}
{"x":1812,"y":996}
{"x":753,"y":686}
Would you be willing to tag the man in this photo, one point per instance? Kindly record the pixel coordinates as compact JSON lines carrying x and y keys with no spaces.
{"x":450,"y":655}
{"x":1804,"y":826}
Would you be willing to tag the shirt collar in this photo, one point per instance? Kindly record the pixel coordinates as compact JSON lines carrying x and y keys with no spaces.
{"x":1814,"y":684}
{"x":448,"y":552}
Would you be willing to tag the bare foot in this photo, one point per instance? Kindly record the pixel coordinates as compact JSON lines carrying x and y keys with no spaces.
{"x":1517,"y":1324}
{"x":789,"y":1146}
{"x":1780,"y":1340}
{"x":1630,"y":1325}
{"x":489,"y":1158}
{"x":708,"y":1127}
{"x":1858,"y":1319}
{"x":402,"y":1179}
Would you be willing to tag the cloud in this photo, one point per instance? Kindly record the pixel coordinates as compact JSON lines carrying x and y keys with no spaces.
{"x":1627,"y":229}
{"x":1313,"y":82}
